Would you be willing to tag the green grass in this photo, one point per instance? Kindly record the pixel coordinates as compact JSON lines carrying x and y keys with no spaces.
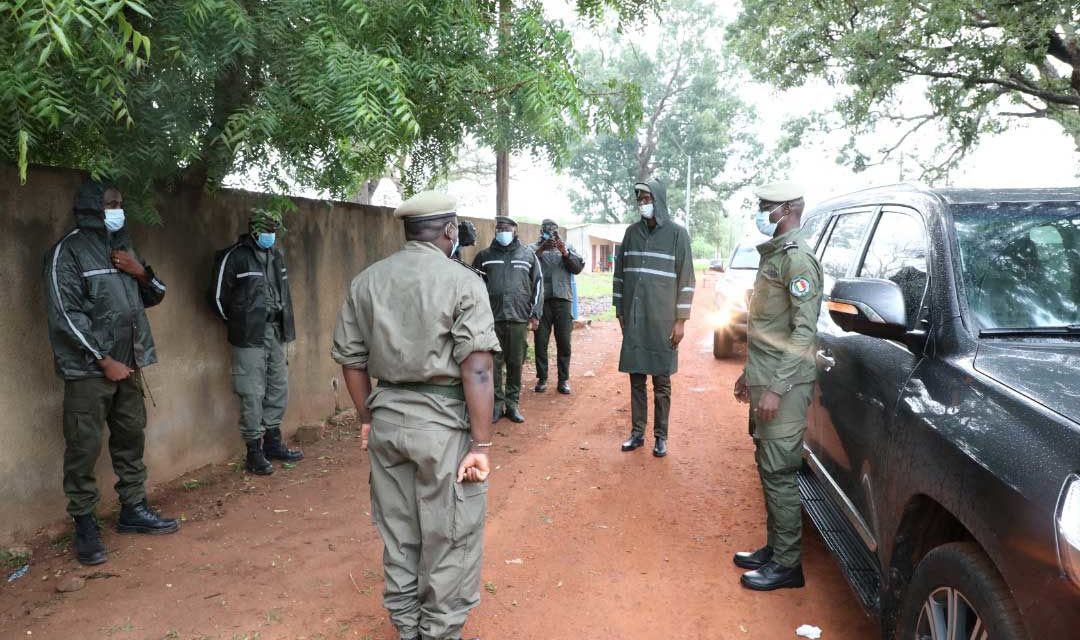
{"x":594,"y":285}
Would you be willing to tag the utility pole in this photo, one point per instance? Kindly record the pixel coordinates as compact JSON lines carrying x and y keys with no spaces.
{"x":688,"y":165}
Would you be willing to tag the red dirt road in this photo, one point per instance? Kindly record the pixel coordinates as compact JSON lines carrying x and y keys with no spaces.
{"x":582,"y":541}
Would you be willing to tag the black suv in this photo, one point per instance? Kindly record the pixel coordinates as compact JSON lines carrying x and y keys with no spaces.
{"x":943,"y":444}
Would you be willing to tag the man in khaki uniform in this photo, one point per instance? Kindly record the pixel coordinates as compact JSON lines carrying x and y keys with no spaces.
{"x":421,"y":325}
{"x":778,"y":381}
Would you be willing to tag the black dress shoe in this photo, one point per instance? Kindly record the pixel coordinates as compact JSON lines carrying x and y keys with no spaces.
{"x":774,"y":576}
{"x":564,"y":388}
{"x":497,"y":415}
{"x":274,"y":447}
{"x":89,"y":549}
{"x":140,"y":518}
{"x":660,"y":449}
{"x":515,"y":415}
{"x":753,"y":559}
{"x":541,"y":386}
{"x":633,"y":443}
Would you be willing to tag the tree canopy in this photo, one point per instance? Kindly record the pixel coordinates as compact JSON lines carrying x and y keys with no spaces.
{"x":691,"y":110}
{"x":314,"y":93}
{"x":983,"y":65}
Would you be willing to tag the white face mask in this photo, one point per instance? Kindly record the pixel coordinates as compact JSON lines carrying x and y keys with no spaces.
{"x":761,"y":219}
{"x":114,"y":219}
{"x":646,"y":210}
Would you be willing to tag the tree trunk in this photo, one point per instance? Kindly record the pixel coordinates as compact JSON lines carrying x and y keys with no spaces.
{"x":502,"y":155}
{"x":502,"y":183}
{"x":366,"y":193}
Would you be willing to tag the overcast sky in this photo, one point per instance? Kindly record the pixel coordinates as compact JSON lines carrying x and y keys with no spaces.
{"x":1033,"y":153}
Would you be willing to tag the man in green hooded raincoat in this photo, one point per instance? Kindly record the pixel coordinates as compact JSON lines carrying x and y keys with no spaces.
{"x":654,"y":289}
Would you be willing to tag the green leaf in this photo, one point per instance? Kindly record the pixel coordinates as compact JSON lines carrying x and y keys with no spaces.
{"x":61,"y":38}
{"x":22,"y":141}
{"x":138,"y":8}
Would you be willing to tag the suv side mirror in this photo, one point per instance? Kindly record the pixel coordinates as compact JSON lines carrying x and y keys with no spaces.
{"x":868,"y":306}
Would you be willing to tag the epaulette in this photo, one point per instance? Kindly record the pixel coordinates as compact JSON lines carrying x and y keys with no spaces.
{"x":470,"y":268}
{"x":789,"y":246}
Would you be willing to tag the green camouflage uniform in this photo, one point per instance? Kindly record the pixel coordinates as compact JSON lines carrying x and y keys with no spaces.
{"x":780,"y":358}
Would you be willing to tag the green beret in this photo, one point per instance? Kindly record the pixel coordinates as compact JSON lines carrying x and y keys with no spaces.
{"x":427,"y":205}
{"x":779,"y":192}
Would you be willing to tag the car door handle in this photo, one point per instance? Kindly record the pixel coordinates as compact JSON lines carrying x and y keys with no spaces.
{"x":825,"y":360}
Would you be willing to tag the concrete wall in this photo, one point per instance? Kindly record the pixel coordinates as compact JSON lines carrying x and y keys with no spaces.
{"x":194,"y":420}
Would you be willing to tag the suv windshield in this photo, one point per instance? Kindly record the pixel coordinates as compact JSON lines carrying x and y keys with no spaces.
{"x":1021,"y":263}
{"x":746,"y":257}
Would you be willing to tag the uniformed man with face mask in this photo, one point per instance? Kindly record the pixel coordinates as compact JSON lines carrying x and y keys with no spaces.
{"x":778,"y":381}
{"x":250,"y":293}
{"x":421,"y":325}
{"x":97,"y":291}
{"x":560,"y":264}
{"x":516,"y":290}
{"x":654,"y":290}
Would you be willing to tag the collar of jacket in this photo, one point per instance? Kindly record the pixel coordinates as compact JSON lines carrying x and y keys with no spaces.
{"x":425,"y":247}
{"x":772,"y":246}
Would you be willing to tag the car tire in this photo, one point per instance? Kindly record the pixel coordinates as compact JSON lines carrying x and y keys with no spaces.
{"x":723,"y":344}
{"x":958,"y":577}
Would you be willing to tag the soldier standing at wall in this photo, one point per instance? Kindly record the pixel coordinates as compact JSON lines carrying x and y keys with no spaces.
{"x":97,"y":291}
{"x":250,"y":293}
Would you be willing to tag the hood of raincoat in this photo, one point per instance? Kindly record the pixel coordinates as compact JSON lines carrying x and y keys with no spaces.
{"x":659,"y":195}
{"x":90,"y":197}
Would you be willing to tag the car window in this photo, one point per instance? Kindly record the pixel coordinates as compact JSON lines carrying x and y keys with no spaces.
{"x":842,"y":247}
{"x":746,"y":256}
{"x":812,"y":229}
{"x":897,"y":252}
{"x":1020,"y":263}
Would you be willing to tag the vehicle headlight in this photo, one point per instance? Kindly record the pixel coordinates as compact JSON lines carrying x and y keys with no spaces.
{"x":1068,"y":528}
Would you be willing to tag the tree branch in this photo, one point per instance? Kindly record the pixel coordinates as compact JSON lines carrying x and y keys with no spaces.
{"x":1022,"y":87}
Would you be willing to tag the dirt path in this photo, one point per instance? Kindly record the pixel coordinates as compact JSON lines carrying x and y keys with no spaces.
{"x":583,"y":541}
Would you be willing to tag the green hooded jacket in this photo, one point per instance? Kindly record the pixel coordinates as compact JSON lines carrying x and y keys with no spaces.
{"x":654,"y":286}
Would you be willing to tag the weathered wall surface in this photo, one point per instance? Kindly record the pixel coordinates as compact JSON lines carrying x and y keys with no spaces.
{"x":192,"y":419}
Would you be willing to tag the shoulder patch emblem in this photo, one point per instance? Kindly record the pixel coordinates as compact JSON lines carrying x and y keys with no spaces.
{"x":800,"y":287}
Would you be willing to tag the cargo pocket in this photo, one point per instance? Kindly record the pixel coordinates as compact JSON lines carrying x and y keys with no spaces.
{"x":470,"y":505}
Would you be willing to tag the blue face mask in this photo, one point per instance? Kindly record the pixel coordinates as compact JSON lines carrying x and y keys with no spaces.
{"x":504,"y":237}
{"x":761,"y":219}
{"x":266,"y":240}
{"x":114,"y":219}
{"x":545,"y":236}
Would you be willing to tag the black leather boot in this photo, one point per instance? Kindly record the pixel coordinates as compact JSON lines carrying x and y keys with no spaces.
{"x":564,"y":388}
{"x":541,"y":386}
{"x":140,"y":518}
{"x":256,"y":459}
{"x":633,"y":443}
{"x":774,"y":576}
{"x":89,"y":549}
{"x":514,"y":415}
{"x":274,"y":447}
{"x":753,"y":559}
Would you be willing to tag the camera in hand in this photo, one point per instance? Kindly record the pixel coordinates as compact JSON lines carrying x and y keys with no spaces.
{"x":466,"y":233}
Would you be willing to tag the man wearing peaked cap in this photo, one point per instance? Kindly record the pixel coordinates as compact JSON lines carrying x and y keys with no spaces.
{"x":428,"y":418}
{"x":779,"y":192}
{"x":779,"y":379}
{"x":515,"y":288}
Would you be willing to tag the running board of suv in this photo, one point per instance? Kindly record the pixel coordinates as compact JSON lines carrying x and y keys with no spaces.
{"x":856,"y":561}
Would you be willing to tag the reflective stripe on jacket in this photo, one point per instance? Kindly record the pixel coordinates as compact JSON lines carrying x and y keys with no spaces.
{"x":94,"y":309}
